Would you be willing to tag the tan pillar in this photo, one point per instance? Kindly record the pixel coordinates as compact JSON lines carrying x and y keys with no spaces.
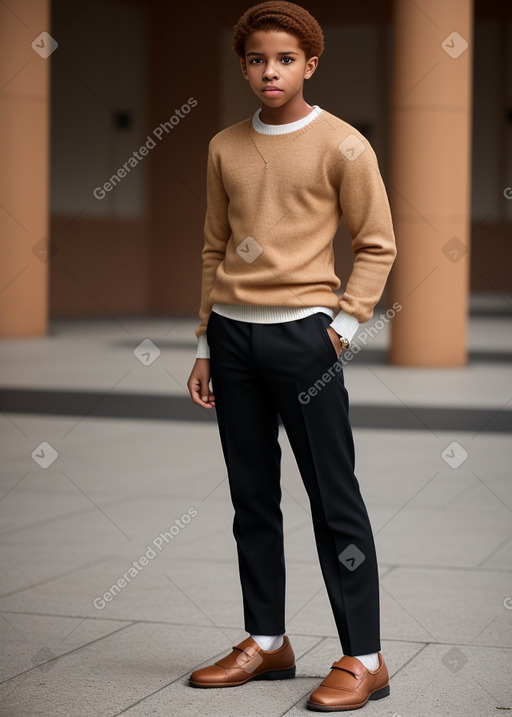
{"x":24,"y":178}
{"x":430,"y":180}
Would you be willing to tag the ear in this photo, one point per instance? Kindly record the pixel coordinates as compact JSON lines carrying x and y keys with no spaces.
{"x":311,"y":66}
{"x":243,"y":67}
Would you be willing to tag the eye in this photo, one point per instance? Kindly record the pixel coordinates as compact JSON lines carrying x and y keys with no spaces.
{"x":287,"y":60}
{"x":255,"y":61}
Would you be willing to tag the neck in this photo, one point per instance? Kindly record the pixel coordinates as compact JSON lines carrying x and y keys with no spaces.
{"x":292,"y":111}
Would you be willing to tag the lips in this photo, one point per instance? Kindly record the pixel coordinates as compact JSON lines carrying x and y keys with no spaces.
{"x":272,"y":90}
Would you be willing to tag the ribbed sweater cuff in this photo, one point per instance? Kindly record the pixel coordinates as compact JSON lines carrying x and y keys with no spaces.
{"x":203,"y":350}
{"x":345,"y":325}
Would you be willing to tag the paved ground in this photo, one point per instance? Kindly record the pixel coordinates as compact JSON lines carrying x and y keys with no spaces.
{"x":440,"y":500}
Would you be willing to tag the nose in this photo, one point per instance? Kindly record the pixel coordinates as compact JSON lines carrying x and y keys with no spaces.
{"x":270,"y":72}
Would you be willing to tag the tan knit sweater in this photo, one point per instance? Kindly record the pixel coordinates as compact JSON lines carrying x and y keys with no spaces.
{"x":274,"y":203}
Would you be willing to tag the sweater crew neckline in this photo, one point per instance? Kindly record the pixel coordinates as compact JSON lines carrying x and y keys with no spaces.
{"x":276,"y":129}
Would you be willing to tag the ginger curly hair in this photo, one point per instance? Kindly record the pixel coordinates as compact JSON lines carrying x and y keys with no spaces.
{"x":283,"y":16}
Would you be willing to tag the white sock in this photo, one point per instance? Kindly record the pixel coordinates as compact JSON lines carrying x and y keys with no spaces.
{"x":371,"y":661}
{"x":268,"y":642}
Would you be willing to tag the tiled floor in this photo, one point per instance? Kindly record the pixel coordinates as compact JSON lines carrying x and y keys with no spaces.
{"x":71,"y":528}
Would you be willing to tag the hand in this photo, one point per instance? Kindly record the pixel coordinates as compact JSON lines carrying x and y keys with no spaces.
{"x":198,"y":384}
{"x":335,"y":340}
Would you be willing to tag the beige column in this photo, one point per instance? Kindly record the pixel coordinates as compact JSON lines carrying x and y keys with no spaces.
{"x":24,"y":177}
{"x":430,"y":180}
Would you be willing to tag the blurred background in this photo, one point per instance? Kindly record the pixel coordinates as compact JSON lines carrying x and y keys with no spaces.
{"x":124,"y":67}
{"x":138,"y":249}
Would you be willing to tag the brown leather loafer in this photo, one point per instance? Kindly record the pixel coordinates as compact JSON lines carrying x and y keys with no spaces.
{"x":349,"y":686}
{"x":247,"y":662}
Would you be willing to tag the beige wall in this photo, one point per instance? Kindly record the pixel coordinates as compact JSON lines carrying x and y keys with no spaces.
{"x":24,"y":167}
{"x":100,"y":266}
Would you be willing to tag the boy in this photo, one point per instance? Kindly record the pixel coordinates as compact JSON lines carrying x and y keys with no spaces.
{"x":277,"y":185}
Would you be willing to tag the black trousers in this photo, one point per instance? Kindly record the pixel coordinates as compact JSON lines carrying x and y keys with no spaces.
{"x":260,"y":372}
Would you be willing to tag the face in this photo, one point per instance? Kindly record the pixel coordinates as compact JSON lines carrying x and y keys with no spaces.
{"x":276,"y":66}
